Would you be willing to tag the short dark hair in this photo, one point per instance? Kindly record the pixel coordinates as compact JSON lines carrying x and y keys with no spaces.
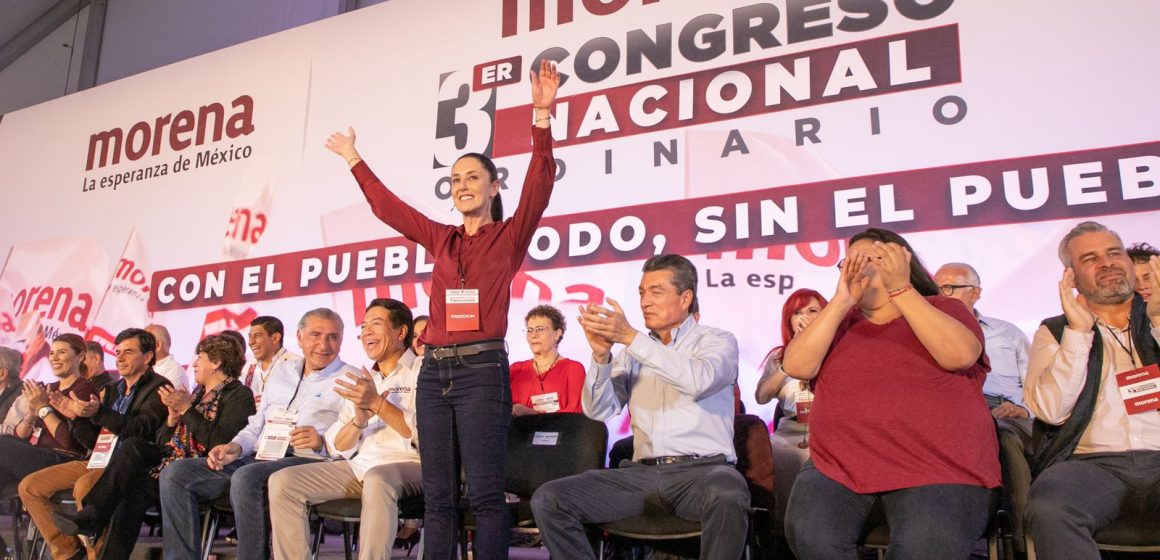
{"x":269,"y":324}
{"x":496,"y":201}
{"x":684,"y":274}
{"x":399,"y":314}
{"x":552,"y":314}
{"x":223,"y":349}
{"x":238,"y":339}
{"x":1141,"y":252}
{"x":94,"y":347}
{"x":920,"y":277}
{"x":144,"y":338}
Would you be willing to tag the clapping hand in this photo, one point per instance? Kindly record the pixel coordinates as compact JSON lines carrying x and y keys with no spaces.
{"x":36,"y":394}
{"x":1079,"y":317}
{"x":176,"y":400}
{"x":1154,"y":296}
{"x":61,"y":403}
{"x":359,"y":390}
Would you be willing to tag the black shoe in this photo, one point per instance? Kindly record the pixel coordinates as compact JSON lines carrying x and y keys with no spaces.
{"x":408,"y":542}
{"x":83,"y":524}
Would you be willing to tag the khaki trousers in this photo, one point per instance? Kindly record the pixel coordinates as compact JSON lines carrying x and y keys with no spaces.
{"x":293,"y":490}
{"x":36,"y":491}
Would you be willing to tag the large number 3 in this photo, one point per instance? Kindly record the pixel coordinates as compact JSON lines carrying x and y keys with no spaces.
{"x":464,"y":120}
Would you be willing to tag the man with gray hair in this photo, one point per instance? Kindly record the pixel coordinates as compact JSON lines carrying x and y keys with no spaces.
{"x":166,"y":366}
{"x":677,"y":381}
{"x":300,"y":402}
{"x":13,"y":407}
{"x":1006,"y":347}
{"x":1098,"y":431}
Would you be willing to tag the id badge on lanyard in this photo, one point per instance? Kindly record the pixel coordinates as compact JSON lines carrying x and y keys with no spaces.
{"x":103,"y":450}
{"x":1140,"y":389}
{"x":462,"y":310}
{"x":803,"y":401}
{"x":462,"y":305}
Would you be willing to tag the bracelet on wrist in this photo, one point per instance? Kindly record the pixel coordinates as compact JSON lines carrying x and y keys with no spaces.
{"x":355,"y":424}
{"x":544,"y":119}
{"x":899,"y":291}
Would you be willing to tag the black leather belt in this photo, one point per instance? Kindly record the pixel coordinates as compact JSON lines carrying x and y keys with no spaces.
{"x":471,"y":349}
{"x":668,"y":459}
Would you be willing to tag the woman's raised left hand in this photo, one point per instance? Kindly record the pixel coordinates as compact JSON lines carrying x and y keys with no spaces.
{"x":545,"y":84}
{"x":892,"y":261}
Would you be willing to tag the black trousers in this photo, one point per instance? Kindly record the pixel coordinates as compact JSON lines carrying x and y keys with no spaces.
{"x":18,"y":459}
{"x":123,"y":494}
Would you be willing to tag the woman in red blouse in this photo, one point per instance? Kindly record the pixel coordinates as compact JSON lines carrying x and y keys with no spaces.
{"x":899,"y":417}
{"x":548,"y":382}
{"x":463,"y":397}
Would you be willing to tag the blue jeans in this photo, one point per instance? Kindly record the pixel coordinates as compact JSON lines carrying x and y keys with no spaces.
{"x":187,"y":483}
{"x":825,"y":520}
{"x":465,"y":409}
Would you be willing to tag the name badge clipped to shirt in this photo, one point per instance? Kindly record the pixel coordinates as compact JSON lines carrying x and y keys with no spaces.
{"x":546,"y":403}
{"x":803,"y":401}
{"x":1140,"y":389}
{"x":103,"y":450}
{"x":274,"y":440}
{"x":462,"y":310}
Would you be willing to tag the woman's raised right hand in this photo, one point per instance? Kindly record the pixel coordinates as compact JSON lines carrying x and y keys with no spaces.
{"x":852,"y":282}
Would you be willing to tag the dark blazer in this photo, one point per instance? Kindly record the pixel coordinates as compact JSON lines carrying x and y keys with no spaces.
{"x":145,"y":414}
{"x":233,"y":413}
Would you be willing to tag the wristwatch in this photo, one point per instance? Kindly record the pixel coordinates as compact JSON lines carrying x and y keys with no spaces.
{"x":44,"y":411}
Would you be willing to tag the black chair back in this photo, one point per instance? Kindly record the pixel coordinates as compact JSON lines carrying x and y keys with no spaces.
{"x":544,"y":447}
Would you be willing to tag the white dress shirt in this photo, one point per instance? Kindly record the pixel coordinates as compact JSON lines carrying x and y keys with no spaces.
{"x":171,"y":370}
{"x":379,"y":443}
{"x":680,"y":395}
{"x":311,"y":396}
{"x":15,"y":415}
{"x":261,"y":375}
{"x":1057,"y":374}
{"x":1007,"y":351}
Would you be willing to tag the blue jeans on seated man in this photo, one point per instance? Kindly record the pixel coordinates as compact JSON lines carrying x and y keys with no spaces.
{"x":707,"y":489}
{"x":188,"y":483}
{"x":1072,"y":500}
{"x":827,"y":521}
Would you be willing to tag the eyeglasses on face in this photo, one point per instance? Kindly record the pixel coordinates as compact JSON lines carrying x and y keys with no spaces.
{"x":537,"y":330}
{"x":948,"y":289}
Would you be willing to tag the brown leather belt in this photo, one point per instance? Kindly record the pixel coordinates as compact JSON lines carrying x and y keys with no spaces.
{"x":470,"y":349}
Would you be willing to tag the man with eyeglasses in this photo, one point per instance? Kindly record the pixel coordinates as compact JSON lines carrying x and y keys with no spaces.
{"x":298,"y":406}
{"x":1006,"y":347}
